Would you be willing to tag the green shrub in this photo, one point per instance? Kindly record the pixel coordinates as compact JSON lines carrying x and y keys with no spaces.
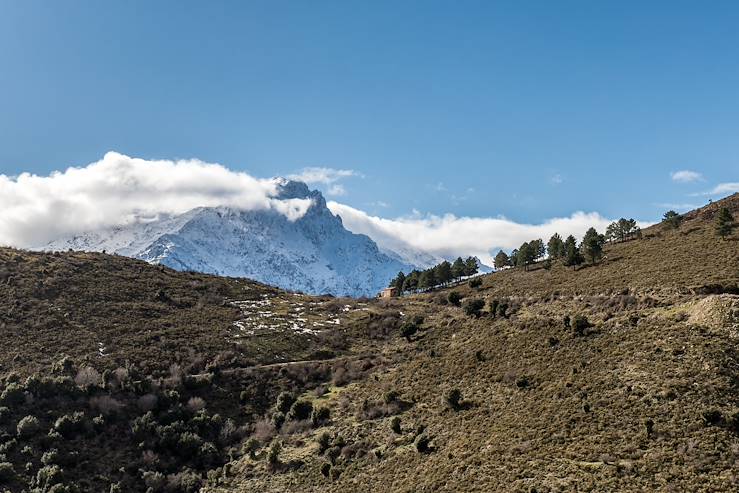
{"x":407,"y":329}
{"x":324,"y":441}
{"x":422,"y":443}
{"x":475,"y":283}
{"x":28,"y":427}
{"x":326,"y":469}
{"x":185,"y":481}
{"x":7,"y":473}
{"x":4,"y":415}
{"x":454,"y":399}
{"x":395,"y":425}
{"x":70,"y":425}
{"x":473,"y":307}
{"x":13,"y":395}
{"x":454,"y":298}
{"x":188,"y":443}
{"x":154,"y":480}
{"x":284,"y":401}
{"x":712,"y":417}
{"x":250,"y":447}
{"x":320,"y":416}
{"x":278,"y":419}
{"x":390,"y":396}
{"x":493,"y":307}
{"x":300,"y":410}
{"x":273,"y":456}
{"x":50,"y":457}
{"x":579,"y":323}
{"x":48,"y":476}
{"x":502,"y":309}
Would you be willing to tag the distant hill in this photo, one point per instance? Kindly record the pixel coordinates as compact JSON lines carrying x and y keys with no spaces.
{"x":313,"y":254}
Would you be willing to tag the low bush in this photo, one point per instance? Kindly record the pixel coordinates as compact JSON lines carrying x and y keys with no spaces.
{"x":395,"y":425}
{"x":454,"y":298}
{"x":475,"y":283}
{"x":273,"y":455}
{"x":300,"y":410}
{"x":422,"y":443}
{"x":70,"y":424}
{"x":48,"y":476}
{"x":284,"y":401}
{"x":473,"y":307}
{"x":28,"y":427}
{"x":579,"y":324}
{"x":7,"y":473}
{"x":320,"y":416}
{"x":453,"y":399}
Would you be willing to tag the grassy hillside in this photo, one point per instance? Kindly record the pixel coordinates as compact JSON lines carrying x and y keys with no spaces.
{"x":623,"y":376}
{"x":645,"y":398}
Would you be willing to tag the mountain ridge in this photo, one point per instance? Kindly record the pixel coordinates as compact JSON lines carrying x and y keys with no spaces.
{"x":313,"y":253}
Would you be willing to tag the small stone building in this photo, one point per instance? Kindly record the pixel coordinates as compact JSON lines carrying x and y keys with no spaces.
{"x":389,"y":292}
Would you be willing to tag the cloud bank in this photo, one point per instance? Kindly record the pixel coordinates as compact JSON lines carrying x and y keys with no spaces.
{"x":450,"y":235}
{"x":118,"y":190}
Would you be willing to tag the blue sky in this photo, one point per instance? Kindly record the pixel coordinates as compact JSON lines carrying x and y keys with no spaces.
{"x":530,"y":110}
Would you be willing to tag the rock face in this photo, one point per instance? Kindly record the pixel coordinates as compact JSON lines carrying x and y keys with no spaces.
{"x":314,"y":254}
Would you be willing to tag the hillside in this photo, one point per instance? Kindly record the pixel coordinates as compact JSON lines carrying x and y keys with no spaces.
{"x":645,"y":399}
{"x":122,"y":376}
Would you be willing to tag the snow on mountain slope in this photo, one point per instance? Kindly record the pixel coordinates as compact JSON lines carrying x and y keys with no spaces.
{"x":314,"y":254}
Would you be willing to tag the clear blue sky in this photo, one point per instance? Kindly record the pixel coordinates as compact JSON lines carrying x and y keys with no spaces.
{"x":527,"y":109}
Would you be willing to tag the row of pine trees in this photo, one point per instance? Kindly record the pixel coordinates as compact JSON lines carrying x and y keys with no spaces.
{"x":438,"y":275}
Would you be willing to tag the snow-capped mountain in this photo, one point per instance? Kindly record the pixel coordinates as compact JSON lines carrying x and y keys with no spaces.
{"x":314,"y":254}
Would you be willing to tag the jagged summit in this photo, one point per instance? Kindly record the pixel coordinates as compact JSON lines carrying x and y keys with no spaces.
{"x":313,"y":253}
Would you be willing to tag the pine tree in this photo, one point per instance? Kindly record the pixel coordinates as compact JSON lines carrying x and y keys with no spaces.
{"x":444,"y":272}
{"x":572,"y":253}
{"x":537,"y":249}
{"x":555,"y":246}
{"x":592,"y":245}
{"x":411,"y":281}
{"x":724,"y":223}
{"x":672,"y":219}
{"x":502,"y":260}
{"x":427,"y":279}
{"x":398,"y":281}
{"x":514,"y":257}
{"x":526,"y":254}
{"x":470,"y":266}
{"x":458,"y":268}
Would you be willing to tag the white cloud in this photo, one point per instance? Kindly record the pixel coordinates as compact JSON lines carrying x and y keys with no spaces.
{"x":556,"y":179}
{"x":686,"y":176}
{"x":117,"y":189}
{"x":450,"y":235}
{"x":722,"y":189}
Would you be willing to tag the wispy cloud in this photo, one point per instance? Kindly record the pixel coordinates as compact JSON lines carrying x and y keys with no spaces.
{"x":686,"y":176}
{"x":556,"y":179}
{"x":325,"y":176}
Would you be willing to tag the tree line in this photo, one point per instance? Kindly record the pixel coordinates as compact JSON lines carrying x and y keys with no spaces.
{"x":440,"y":274}
{"x":572,"y":254}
